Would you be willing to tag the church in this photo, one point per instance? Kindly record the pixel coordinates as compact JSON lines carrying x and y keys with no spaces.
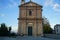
{"x":30,"y":19}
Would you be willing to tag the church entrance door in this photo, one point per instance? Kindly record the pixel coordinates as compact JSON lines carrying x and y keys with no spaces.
{"x":29,"y":31}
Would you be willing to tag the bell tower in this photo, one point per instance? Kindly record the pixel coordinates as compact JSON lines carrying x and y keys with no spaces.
{"x":22,"y":1}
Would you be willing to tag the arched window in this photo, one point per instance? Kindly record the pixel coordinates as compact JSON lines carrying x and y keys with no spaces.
{"x":30,"y":13}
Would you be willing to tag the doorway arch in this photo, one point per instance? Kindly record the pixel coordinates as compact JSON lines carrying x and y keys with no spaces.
{"x":30,"y":31}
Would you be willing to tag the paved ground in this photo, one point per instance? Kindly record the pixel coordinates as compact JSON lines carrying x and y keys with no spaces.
{"x":26,"y":38}
{"x":53,"y":36}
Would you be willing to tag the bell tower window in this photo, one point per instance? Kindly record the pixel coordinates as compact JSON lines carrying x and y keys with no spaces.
{"x":30,"y":13}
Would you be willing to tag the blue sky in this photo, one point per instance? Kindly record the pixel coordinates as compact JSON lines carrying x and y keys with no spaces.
{"x":9,"y":11}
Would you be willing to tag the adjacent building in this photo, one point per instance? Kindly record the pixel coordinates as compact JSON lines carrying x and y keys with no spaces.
{"x":57,"y":28}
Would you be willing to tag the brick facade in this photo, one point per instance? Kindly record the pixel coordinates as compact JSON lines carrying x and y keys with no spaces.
{"x":34,"y":20}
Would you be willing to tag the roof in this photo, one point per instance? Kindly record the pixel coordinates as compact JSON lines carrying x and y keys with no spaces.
{"x":30,"y":2}
{"x":57,"y":25}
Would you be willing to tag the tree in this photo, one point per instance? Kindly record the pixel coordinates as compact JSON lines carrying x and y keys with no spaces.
{"x":46,"y":26}
{"x":4,"y":30}
{"x":9,"y":29}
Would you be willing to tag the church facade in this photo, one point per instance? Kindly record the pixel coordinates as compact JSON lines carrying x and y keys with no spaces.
{"x":30,"y":19}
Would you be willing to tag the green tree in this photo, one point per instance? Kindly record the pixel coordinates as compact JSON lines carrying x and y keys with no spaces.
{"x":9,"y":29}
{"x":46,"y":26}
{"x":4,"y":30}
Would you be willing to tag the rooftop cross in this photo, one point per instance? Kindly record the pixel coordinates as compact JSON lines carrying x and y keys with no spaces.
{"x":22,"y":0}
{"x":30,"y":0}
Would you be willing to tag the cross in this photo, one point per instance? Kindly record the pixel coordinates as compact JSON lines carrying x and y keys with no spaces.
{"x":22,"y":0}
{"x":30,"y":0}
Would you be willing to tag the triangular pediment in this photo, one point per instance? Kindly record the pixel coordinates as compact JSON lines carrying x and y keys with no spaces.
{"x":30,"y":4}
